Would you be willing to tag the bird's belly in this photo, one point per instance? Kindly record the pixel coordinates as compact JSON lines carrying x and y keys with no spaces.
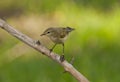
{"x":58,"y":40}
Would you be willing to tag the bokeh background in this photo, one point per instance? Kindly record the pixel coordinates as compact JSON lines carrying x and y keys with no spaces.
{"x":95,"y":43}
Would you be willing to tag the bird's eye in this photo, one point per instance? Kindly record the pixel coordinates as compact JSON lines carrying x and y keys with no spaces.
{"x":48,"y":32}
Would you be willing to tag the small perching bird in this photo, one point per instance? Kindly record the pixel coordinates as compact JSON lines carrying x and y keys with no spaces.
{"x":58,"y":36}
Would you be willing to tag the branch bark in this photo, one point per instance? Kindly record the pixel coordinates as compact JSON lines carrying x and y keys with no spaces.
{"x":42,"y":49}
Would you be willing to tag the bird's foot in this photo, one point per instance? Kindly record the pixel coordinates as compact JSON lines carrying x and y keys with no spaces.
{"x":50,"y":50}
{"x":62,"y":58}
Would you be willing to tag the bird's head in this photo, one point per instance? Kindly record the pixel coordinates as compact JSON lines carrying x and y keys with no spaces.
{"x":48,"y":32}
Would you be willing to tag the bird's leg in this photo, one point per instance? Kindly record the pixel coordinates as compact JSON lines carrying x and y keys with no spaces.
{"x":62,"y":56}
{"x":53,"y":47}
{"x":63,"y":48}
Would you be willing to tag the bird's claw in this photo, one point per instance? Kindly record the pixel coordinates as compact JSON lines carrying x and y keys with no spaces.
{"x":62,"y":58}
{"x":51,"y":50}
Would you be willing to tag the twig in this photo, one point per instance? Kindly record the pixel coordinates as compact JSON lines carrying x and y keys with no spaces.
{"x":42,"y":49}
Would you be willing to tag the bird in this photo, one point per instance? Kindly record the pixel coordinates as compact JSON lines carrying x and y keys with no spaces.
{"x":58,"y":35}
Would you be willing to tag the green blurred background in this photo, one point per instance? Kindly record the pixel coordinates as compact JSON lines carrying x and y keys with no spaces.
{"x":95,"y":43}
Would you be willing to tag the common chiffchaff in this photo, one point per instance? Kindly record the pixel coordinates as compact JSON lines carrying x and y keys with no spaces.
{"x":58,"y":36}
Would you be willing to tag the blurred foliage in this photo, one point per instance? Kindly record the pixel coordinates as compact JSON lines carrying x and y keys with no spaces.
{"x":95,"y":43}
{"x":102,"y":4}
{"x":16,"y":7}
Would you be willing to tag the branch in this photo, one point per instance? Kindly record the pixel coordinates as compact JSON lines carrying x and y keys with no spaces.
{"x":42,"y":49}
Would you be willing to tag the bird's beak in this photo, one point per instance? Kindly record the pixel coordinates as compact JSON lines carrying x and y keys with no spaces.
{"x":42,"y":34}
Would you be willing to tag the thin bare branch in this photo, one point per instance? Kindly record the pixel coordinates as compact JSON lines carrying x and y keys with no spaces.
{"x":42,"y":49}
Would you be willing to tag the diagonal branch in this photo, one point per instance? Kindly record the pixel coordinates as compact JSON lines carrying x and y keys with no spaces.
{"x":42,"y":49}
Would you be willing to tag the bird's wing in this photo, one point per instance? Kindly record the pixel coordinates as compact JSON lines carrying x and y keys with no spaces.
{"x":62,"y":34}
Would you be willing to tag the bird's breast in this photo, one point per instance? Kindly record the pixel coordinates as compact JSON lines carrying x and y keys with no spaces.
{"x":58,"y":40}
